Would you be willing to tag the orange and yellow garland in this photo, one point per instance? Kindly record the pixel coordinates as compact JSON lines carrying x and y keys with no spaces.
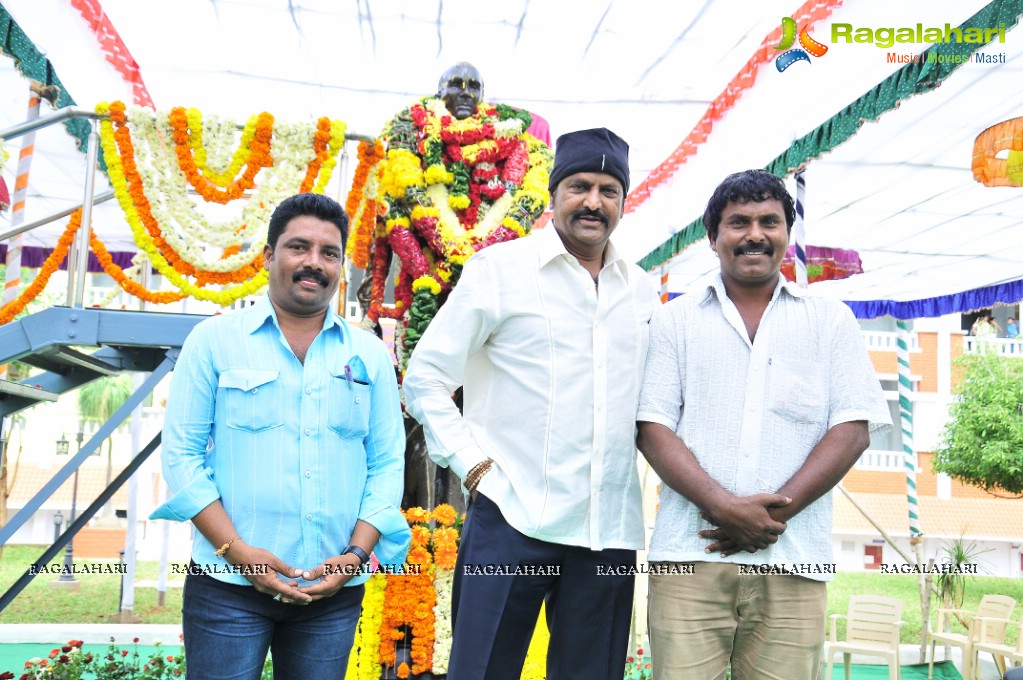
{"x":212,"y":191}
{"x":50,"y":265}
{"x":362,"y":205}
{"x":248,"y":277}
{"x":53,"y":261}
{"x":403,"y":607}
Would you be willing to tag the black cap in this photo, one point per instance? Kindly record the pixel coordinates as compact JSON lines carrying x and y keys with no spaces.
{"x":596,"y":150}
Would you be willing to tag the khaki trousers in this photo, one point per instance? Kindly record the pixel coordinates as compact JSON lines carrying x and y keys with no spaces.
{"x":771,"y":627}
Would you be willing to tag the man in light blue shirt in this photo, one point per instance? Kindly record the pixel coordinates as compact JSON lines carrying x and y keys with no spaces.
{"x":284,"y":446}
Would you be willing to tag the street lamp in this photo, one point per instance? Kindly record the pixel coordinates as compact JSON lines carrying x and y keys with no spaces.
{"x":67,"y":573}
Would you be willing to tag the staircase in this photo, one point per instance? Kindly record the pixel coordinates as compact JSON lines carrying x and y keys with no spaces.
{"x":74,"y":346}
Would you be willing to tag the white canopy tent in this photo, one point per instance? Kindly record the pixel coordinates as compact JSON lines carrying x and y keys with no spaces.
{"x":900,"y":192}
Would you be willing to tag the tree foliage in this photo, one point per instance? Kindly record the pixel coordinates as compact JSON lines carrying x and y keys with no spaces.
{"x":983,"y":440}
{"x":99,"y":399}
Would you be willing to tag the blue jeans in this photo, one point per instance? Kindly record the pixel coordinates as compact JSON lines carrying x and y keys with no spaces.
{"x":228,"y":629}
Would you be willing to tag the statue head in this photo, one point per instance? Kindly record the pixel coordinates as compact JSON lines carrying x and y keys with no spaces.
{"x":461,"y":88}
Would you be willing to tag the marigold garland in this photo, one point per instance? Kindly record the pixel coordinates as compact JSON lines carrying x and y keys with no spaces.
{"x":196,"y":134}
{"x":364,"y":659}
{"x":361,"y":205}
{"x":327,"y":143}
{"x":128,"y":285}
{"x":259,"y":157}
{"x":52,"y":263}
{"x":187,"y":229}
{"x":172,"y":253}
{"x":56,"y":257}
{"x":416,"y":607}
{"x":118,"y":150}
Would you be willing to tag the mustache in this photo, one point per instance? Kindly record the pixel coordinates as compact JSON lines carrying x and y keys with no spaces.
{"x":591,"y":213}
{"x":319,"y":277}
{"x":765,"y":248}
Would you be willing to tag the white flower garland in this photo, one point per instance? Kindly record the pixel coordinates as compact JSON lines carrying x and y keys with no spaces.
{"x":442,"y":632}
{"x":198,"y":240}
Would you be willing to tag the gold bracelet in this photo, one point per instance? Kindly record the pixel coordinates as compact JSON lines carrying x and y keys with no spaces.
{"x":472,"y":479}
{"x":223,"y":548}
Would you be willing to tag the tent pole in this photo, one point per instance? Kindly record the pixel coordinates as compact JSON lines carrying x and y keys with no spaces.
{"x":81,"y":265}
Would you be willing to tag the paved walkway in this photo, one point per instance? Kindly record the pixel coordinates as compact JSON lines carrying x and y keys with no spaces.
{"x":98,"y":633}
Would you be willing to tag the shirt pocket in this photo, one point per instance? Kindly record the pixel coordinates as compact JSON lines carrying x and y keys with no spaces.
{"x":251,"y":399}
{"x":797,"y":390}
{"x":348,"y":410}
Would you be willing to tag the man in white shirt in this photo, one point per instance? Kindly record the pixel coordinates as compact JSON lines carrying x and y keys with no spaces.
{"x":757,"y":399}
{"x":547,"y":335}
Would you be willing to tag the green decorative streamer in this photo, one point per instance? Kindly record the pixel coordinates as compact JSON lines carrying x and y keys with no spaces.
{"x":32,"y":64}
{"x":911,"y":79}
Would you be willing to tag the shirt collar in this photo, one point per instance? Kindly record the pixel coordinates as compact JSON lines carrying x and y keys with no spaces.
{"x":716,"y":288}
{"x":262,"y":311}
{"x":549,"y":247}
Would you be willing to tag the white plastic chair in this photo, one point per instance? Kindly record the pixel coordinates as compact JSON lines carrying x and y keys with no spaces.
{"x":995,"y":607}
{"x":991,"y":634}
{"x":872,"y":628}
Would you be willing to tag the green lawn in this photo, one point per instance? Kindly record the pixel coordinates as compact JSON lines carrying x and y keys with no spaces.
{"x":904,"y":587}
{"x":98,"y":595}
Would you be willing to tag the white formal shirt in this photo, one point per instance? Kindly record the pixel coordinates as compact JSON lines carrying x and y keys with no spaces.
{"x":551,"y":367}
{"x":751,"y":412}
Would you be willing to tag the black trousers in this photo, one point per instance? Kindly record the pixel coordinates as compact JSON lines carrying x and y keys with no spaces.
{"x":500,"y":581}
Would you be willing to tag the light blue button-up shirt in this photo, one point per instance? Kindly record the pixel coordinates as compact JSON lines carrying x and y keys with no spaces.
{"x":295,"y":452}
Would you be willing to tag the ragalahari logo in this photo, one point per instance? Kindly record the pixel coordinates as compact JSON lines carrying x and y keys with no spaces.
{"x":788,"y":39}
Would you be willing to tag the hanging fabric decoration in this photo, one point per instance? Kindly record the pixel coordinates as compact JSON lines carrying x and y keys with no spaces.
{"x":992,"y":171}
{"x":807,"y":15}
{"x":5,"y":195}
{"x":823,"y":264}
{"x":114,"y":49}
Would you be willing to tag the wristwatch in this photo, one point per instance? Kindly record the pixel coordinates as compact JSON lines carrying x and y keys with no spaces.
{"x":358,"y":552}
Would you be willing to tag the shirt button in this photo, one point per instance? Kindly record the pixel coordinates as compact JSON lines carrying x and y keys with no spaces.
{"x":308,"y":390}
{"x":358,"y":400}
{"x":255,"y":390}
{"x":308,"y":431}
{"x":309,"y":516}
{"x":308,"y":473}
